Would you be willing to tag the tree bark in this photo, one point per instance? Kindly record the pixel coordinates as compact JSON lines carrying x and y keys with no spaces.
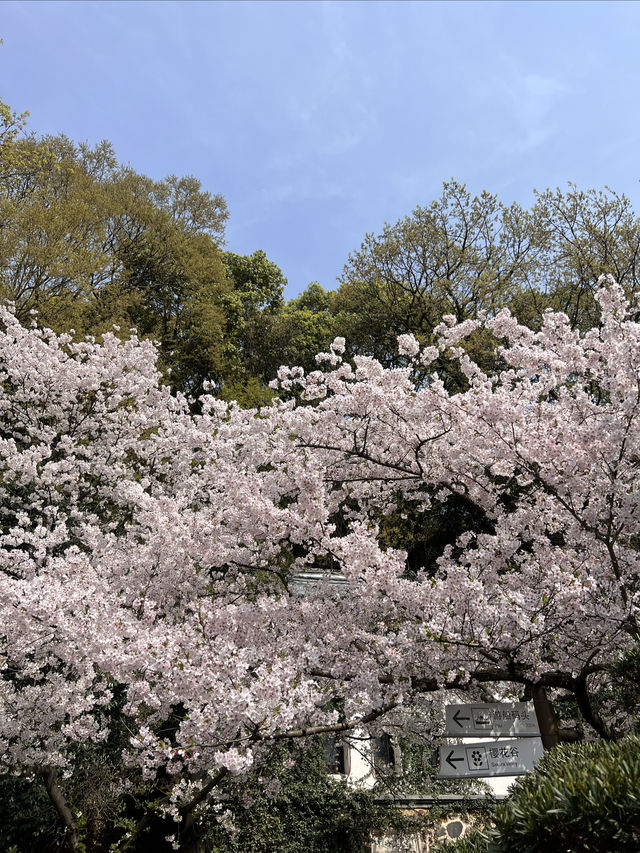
{"x":56,"y":796}
{"x":546,"y":718}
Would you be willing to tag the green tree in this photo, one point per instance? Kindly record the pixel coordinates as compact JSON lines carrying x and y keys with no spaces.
{"x":255,"y":297}
{"x":581,"y":235}
{"x":305,"y":326}
{"x":296,"y":807}
{"x":462,"y":255}
{"x":88,"y":243}
{"x":53,"y":237}
{"x":173,"y":277}
{"x":459,"y":255}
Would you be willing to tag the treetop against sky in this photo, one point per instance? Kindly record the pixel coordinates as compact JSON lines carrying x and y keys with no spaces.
{"x":319,"y":121}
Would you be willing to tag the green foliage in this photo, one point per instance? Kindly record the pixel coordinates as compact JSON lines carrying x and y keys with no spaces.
{"x":581,"y":798}
{"x":304,"y":327}
{"x":419,"y":773}
{"x":462,"y":255}
{"x":626,"y":684}
{"x":447,"y":258}
{"x":293,"y":806}
{"x":580,"y":235}
{"x":28,"y":821}
{"x":257,"y":282}
{"x":423,"y":534}
{"x":88,"y":244}
{"x":253,"y":300}
{"x":310,"y":813}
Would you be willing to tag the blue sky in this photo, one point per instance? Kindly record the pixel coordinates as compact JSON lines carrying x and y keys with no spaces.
{"x":319,"y":121}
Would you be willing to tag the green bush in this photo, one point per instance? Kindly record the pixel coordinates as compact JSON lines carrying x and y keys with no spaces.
{"x":28,"y":821}
{"x":473,"y":842}
{"x":580,"y":799}
{"x":291,"y":806}
{"x":309,"y":813}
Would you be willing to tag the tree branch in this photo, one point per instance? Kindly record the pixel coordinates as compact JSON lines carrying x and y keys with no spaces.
{"x":48,"y":776}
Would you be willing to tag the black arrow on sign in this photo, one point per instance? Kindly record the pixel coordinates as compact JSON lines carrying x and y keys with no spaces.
{"x":450,"y":760}
{"x":457,"y":718}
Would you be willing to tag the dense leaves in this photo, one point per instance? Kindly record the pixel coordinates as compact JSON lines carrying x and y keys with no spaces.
{"x":580,"y":799}
{"x":295,"y":807}
{"x":88,"y":244}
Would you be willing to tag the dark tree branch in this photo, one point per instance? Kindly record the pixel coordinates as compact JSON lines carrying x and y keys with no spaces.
{"x":48,"y":776}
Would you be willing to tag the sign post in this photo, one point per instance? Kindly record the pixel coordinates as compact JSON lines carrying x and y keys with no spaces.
{"x":515,"y":719}
{"x":500,"y":758}
{"x":493,"y":720}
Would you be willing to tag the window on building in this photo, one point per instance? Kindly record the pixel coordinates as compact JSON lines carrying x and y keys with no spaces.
{"x":385,"y":754}
{"x":336,"y":755}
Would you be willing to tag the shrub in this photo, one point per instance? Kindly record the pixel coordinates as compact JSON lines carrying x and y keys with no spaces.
{"x":310,"y":812}
{"x":28,"y":822}
{"x":580,"y":799}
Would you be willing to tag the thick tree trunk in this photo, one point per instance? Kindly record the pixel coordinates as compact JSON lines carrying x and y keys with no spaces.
{"x":546,"y":718}
{"x":61,"y":806}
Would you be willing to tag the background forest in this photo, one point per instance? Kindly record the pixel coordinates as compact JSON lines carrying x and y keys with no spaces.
{"x":87,"y":243}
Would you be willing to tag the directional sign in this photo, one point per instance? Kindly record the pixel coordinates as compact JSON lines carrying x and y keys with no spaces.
{"x":501,"y":758}
{"x":492,"y":720}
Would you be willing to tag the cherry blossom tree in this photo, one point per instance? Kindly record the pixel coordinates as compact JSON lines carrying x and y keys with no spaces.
{"x":149,"y":555}
{"x":547,"y":449}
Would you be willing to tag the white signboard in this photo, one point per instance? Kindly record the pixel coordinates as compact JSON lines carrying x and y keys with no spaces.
{"x":492,"y":720}
{"x":501,"y":758}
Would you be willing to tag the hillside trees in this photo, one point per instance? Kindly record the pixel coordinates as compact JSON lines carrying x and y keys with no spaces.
{"x":465,"y":254}
{"x":53,"y":234}
{"x":74,"y":219}
{"x":87,"y":243}
{"x":583,"y":234}
{"x":147,"y":552}
{"x":459,"y":255}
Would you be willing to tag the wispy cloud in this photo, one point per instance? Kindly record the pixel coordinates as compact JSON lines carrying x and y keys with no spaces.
{"x":530,"y":100}
{"x":328,"y":110}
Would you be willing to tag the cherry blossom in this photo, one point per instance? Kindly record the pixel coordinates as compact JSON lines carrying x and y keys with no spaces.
{"x":148,"y":555}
